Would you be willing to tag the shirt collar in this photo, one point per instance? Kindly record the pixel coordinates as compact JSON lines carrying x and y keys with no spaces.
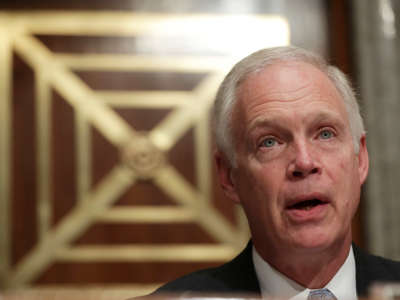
{"x":274,"y":283}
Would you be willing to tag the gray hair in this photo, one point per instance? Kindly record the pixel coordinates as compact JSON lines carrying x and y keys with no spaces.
{"x":226,"y":95}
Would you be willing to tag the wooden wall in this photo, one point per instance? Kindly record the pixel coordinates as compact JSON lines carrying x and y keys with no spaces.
{"x":73,"y":121}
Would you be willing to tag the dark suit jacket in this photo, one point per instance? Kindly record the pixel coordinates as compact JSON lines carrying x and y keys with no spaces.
{"x":238,"y":275}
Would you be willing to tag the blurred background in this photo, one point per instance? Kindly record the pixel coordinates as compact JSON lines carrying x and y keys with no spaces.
{"x":106,"y":168}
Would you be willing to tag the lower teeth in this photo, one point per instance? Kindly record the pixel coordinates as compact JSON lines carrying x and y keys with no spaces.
{"x":309,"y":207}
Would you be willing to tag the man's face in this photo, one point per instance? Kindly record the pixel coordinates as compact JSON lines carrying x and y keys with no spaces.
{"x":297,"y":175}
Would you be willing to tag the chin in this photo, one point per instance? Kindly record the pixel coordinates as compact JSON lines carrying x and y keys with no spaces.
{"x":312,"y":241}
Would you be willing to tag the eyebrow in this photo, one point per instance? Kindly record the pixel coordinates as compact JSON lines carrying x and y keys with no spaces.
{"x":330,"y":116}
{"x":277,"y":122}
{"x":273,"y":122}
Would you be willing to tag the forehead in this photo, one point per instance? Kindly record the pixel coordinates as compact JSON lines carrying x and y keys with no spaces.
{"x":288,"y":85}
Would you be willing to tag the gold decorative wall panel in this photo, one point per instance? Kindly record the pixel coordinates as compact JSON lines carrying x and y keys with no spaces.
{"x":143,"y":154}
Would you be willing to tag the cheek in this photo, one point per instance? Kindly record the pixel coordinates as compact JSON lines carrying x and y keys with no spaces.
{"x":258,"y":186}
{"x":267,"y":186}
{"x":349,"y":184}
{"x":268,"y":178}
{"x":342,"y":165}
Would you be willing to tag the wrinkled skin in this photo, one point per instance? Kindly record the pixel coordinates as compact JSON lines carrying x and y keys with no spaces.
{"x":293,"y":144}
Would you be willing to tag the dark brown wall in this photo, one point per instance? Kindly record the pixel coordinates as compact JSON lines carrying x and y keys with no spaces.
{"x":105,"y":155}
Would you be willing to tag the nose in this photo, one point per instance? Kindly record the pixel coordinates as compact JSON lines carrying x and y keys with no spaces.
{"x":303,"y":162}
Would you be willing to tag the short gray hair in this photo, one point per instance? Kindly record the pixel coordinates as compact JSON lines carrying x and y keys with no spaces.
{"x":226,"y":95}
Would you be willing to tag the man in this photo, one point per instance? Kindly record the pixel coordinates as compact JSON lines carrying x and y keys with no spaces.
{"x":291,"y":150}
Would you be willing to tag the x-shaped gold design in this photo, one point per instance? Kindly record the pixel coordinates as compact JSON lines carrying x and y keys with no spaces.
{"x":159,"y":140}
{"x":142,"y":154}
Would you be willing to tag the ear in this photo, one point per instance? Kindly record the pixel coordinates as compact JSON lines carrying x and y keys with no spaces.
{"x":225,"y":176}
{"x":363,"y":160}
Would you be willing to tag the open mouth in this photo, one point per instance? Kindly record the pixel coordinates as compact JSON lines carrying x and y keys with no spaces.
{"x":307,"y":204}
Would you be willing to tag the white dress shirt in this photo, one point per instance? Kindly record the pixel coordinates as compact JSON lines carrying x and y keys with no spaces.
{"x":274,"y":283}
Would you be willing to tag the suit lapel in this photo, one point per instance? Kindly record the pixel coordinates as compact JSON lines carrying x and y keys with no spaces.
{"x":241,"y":272}
{"x":363,"y":274}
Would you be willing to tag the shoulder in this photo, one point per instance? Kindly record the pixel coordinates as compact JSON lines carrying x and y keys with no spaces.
{"x":383,"y":268}
{"x":237,"y":275}
{"x":371,"y":268}
{"x":207,"y":280}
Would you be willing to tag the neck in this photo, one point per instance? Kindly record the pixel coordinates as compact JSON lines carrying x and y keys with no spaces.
{"x":311,"y":269}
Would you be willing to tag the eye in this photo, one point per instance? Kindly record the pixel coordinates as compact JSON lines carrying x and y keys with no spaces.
{"x":326,"y":134}
{"x":268,"y":142}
